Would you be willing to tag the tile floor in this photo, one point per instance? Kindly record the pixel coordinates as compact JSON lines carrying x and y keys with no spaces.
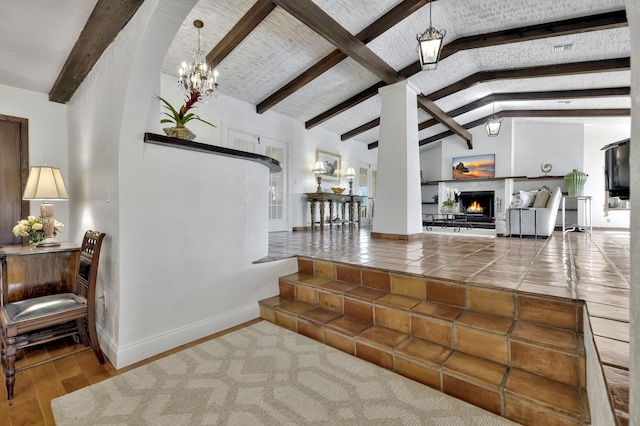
{"x":575,"y":266}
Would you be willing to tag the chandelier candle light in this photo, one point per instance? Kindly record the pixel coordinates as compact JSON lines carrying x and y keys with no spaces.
{"x":46,"y":183}
{"x":197,"y":76}
{"x":430,"y":46}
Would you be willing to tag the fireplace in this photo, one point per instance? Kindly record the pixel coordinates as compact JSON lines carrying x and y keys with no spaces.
{"x":478,"y":205}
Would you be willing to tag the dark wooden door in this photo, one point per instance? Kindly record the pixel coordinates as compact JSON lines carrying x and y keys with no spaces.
{"x":14,"y":166}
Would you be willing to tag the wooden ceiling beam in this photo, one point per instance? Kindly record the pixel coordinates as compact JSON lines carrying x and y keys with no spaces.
{"x":607,"y":65}
{"x":104,"y":24}
{"x":258,"y":12}
{"x":548,"y":113}
{"x":438,"y":114}
{"x":388,"y":20}
{"x":319,"y":21}
{"x":622,"y":112}
{"x":573,"y":68}
{"x":535,"y":32}
{"x":533,"y":96}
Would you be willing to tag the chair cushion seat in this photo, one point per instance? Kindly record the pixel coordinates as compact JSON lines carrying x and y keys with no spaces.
{"x":40,"y":306}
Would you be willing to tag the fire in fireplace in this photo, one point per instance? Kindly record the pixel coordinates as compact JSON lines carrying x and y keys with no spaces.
{"x":475,"y":207}
{"x":479,"y":204}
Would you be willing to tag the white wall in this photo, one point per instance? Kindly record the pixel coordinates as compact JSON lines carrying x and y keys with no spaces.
{"x":501,"y":146}
{"x":537,"y":142}
{"x":47,"y":142}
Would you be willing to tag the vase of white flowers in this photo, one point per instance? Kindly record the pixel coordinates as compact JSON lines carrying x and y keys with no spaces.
{"x":450,"y":203}
{"x":33,"y":228}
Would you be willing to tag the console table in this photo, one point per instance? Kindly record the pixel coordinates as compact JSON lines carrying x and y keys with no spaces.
{"x":321,"y":198}
{"x":27,"y":272}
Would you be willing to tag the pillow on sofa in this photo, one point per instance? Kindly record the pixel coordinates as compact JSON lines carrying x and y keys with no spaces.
{"x":522,"y":199}
{"x":542,"y":198}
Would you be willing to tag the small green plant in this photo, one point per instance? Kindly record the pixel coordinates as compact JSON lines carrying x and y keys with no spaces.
{"x":181,"y":117}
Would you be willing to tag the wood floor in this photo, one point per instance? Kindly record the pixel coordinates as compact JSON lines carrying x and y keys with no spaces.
{"x":37,"y":386}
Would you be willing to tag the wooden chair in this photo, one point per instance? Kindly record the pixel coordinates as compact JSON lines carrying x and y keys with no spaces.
{"x":42,"y":319}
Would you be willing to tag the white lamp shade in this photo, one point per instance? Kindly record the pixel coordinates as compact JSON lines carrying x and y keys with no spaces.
{"x":429,"y":53}
{"x":351,"y":173}
{"x":319,"y":167}
{"x":45,"y":183}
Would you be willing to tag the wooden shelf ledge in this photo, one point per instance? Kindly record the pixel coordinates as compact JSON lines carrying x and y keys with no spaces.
{"x":155,"y":139}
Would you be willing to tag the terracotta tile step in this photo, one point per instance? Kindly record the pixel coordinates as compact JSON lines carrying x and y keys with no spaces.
{"x":514,"y":393}
{"x":358,"y":282}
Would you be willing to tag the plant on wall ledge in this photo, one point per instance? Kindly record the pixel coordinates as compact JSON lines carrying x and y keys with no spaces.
{"x":180,"y":117}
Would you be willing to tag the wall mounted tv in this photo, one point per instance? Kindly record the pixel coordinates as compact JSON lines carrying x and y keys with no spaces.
{"x":474,"y":167}
{"x":616,"y":169}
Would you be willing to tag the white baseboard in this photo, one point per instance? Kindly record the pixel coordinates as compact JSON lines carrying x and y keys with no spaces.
{"x":124,"y":356}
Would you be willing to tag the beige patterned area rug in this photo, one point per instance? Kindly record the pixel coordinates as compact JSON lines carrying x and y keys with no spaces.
{"x":264,"y":375}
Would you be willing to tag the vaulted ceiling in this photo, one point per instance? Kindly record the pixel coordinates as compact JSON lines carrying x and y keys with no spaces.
{"x":322,"y":61}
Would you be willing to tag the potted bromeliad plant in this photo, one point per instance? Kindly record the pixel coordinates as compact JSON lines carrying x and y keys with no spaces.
{"x":180,"y":117}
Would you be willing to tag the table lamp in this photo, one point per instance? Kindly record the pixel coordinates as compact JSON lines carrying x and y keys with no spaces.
{"x":318,"y":169}
{"x":45,"y":183}
{"x":351,"y":173}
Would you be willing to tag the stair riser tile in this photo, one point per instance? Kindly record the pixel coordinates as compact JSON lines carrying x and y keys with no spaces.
{"x":324,"y":269}
{"x":473,"y":394}
{"x":306,"y":294}
{"x":358,"y":309}
{"x":268,"y":314}
{"x":483,"y":345}
{"x":311,"y":330}
{"x":408,"y":286}
{"x":376,"y":279}
{"x":451,"y":294}
{"x":286,"y":321}
{"x":374,"y":355}
{"x":305,"y":266}
{"x":491,"y":301}
{"x":548,"y":312}
{"x":338,"y":341}
{"x":330,"y":301}
{"x":543,"y":392}
{"x":395,"y":320}
{"x":527,"y":414}
{"x":348,"y":274}
{"x":287,"y":290}
{"x":440,"y":332}
{"x":556,"y":366}
{"x":418,"y":372}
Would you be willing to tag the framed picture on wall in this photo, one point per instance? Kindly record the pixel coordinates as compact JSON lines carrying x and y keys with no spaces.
{"x":332,"y":162}
{"x":474,"y":167}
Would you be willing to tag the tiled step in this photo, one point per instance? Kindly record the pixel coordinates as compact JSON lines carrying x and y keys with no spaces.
{"x":506,"y":352}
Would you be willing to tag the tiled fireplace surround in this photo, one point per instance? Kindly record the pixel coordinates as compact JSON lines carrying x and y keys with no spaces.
{"x":491,"y":337}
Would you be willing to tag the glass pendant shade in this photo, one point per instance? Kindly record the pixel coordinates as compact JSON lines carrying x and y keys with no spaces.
{"x":493,"y":125}
{"x":430,"y":46}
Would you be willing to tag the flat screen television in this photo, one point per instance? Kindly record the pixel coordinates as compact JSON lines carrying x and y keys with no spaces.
{"x":474,"y":167}
{"x":616,"y":169}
